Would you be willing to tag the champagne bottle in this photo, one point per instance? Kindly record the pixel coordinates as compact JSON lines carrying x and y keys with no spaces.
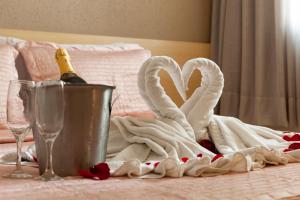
{"x":67,"y":73}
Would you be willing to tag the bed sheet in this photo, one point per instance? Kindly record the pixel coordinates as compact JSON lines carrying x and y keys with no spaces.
{"x":274,"y":182}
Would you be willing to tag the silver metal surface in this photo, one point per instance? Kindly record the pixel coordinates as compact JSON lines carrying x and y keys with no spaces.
{"x":83,"y":141}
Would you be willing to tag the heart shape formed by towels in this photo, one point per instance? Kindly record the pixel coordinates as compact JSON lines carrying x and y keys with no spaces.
{"x":198,"y":109}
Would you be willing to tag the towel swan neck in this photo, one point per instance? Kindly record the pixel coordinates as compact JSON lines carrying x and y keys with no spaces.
{"x":199,"y":107}
{"x":155,"y":95}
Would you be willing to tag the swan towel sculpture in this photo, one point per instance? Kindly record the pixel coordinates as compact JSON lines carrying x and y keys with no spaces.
{"x":167,"y":145}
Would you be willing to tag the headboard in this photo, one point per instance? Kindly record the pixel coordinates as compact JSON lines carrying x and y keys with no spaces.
{"x":179,"y":50}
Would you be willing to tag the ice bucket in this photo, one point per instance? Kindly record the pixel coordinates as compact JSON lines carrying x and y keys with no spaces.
{"x":83,"y":140}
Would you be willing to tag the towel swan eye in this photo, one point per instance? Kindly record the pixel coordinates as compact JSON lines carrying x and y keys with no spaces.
{"x":155,"y":95}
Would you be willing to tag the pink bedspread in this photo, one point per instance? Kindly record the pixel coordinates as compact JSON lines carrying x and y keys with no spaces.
{"x":270,"y":183}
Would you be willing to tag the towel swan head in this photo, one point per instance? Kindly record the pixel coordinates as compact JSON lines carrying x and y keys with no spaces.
{"x":156,"y":63}
{"x":199,"y":107}
{"x":155,"y":95}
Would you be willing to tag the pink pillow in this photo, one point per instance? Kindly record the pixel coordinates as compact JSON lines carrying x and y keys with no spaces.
{"x":98,"y":66}
{"x":7,"y":72}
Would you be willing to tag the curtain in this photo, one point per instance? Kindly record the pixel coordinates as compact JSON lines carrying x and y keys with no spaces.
{"x":254,"y":46}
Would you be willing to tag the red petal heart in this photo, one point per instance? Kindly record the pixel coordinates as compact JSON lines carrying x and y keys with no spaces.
{"x":156,"y":164}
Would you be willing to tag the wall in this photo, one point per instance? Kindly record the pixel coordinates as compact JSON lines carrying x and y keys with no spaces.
{"x":182,"y":20}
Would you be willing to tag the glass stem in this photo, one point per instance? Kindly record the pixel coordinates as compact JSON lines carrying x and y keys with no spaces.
{"x":49,"y":166}
{"x":19,"y":141}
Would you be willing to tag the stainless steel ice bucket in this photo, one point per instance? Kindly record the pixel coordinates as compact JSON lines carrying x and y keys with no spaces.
{"x":83,"y":140}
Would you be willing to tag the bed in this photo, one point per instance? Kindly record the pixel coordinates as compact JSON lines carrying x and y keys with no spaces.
{"x":269,"y":183}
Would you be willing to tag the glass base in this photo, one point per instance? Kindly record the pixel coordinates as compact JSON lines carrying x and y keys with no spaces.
{"x":18,"y":174}
{"x":49,"y":176}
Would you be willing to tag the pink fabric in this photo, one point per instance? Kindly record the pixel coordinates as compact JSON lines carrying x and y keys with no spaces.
{"x":269,"y":183}
{"x":7,"y":72}
{"x":117,"y":67}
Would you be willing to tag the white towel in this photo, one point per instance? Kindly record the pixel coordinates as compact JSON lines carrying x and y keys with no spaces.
{"x":229,"y":134}
{"x":166,"y":139}
{"x":199,"y":107}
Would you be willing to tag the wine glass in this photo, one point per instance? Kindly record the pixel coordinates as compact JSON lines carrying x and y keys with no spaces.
{"x":49,"y":111}
{"x":20,"y":117}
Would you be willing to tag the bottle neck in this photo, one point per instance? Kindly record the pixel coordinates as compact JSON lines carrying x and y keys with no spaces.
{"x":65,"y":66}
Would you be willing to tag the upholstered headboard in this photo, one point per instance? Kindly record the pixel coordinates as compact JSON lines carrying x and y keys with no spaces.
{"x":180,"y":51}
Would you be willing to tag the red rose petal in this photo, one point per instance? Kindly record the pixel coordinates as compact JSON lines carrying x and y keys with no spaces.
{"x":35,"y":159}
{"x":209,"y":145}
{"x":86,"y":174}
{"x":287,"y":150}
{"x":286,"y":138}
{"x":217,"y":156}
{"x":99,"y":172}
{"x":148,"y":163}
{"x":294,"y":146}
{"x":199,"y":155}
{"x":156,"y":164}
{"x":103,"y":167}
{"x":295,"y":137}
{"x":184,"y":159}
